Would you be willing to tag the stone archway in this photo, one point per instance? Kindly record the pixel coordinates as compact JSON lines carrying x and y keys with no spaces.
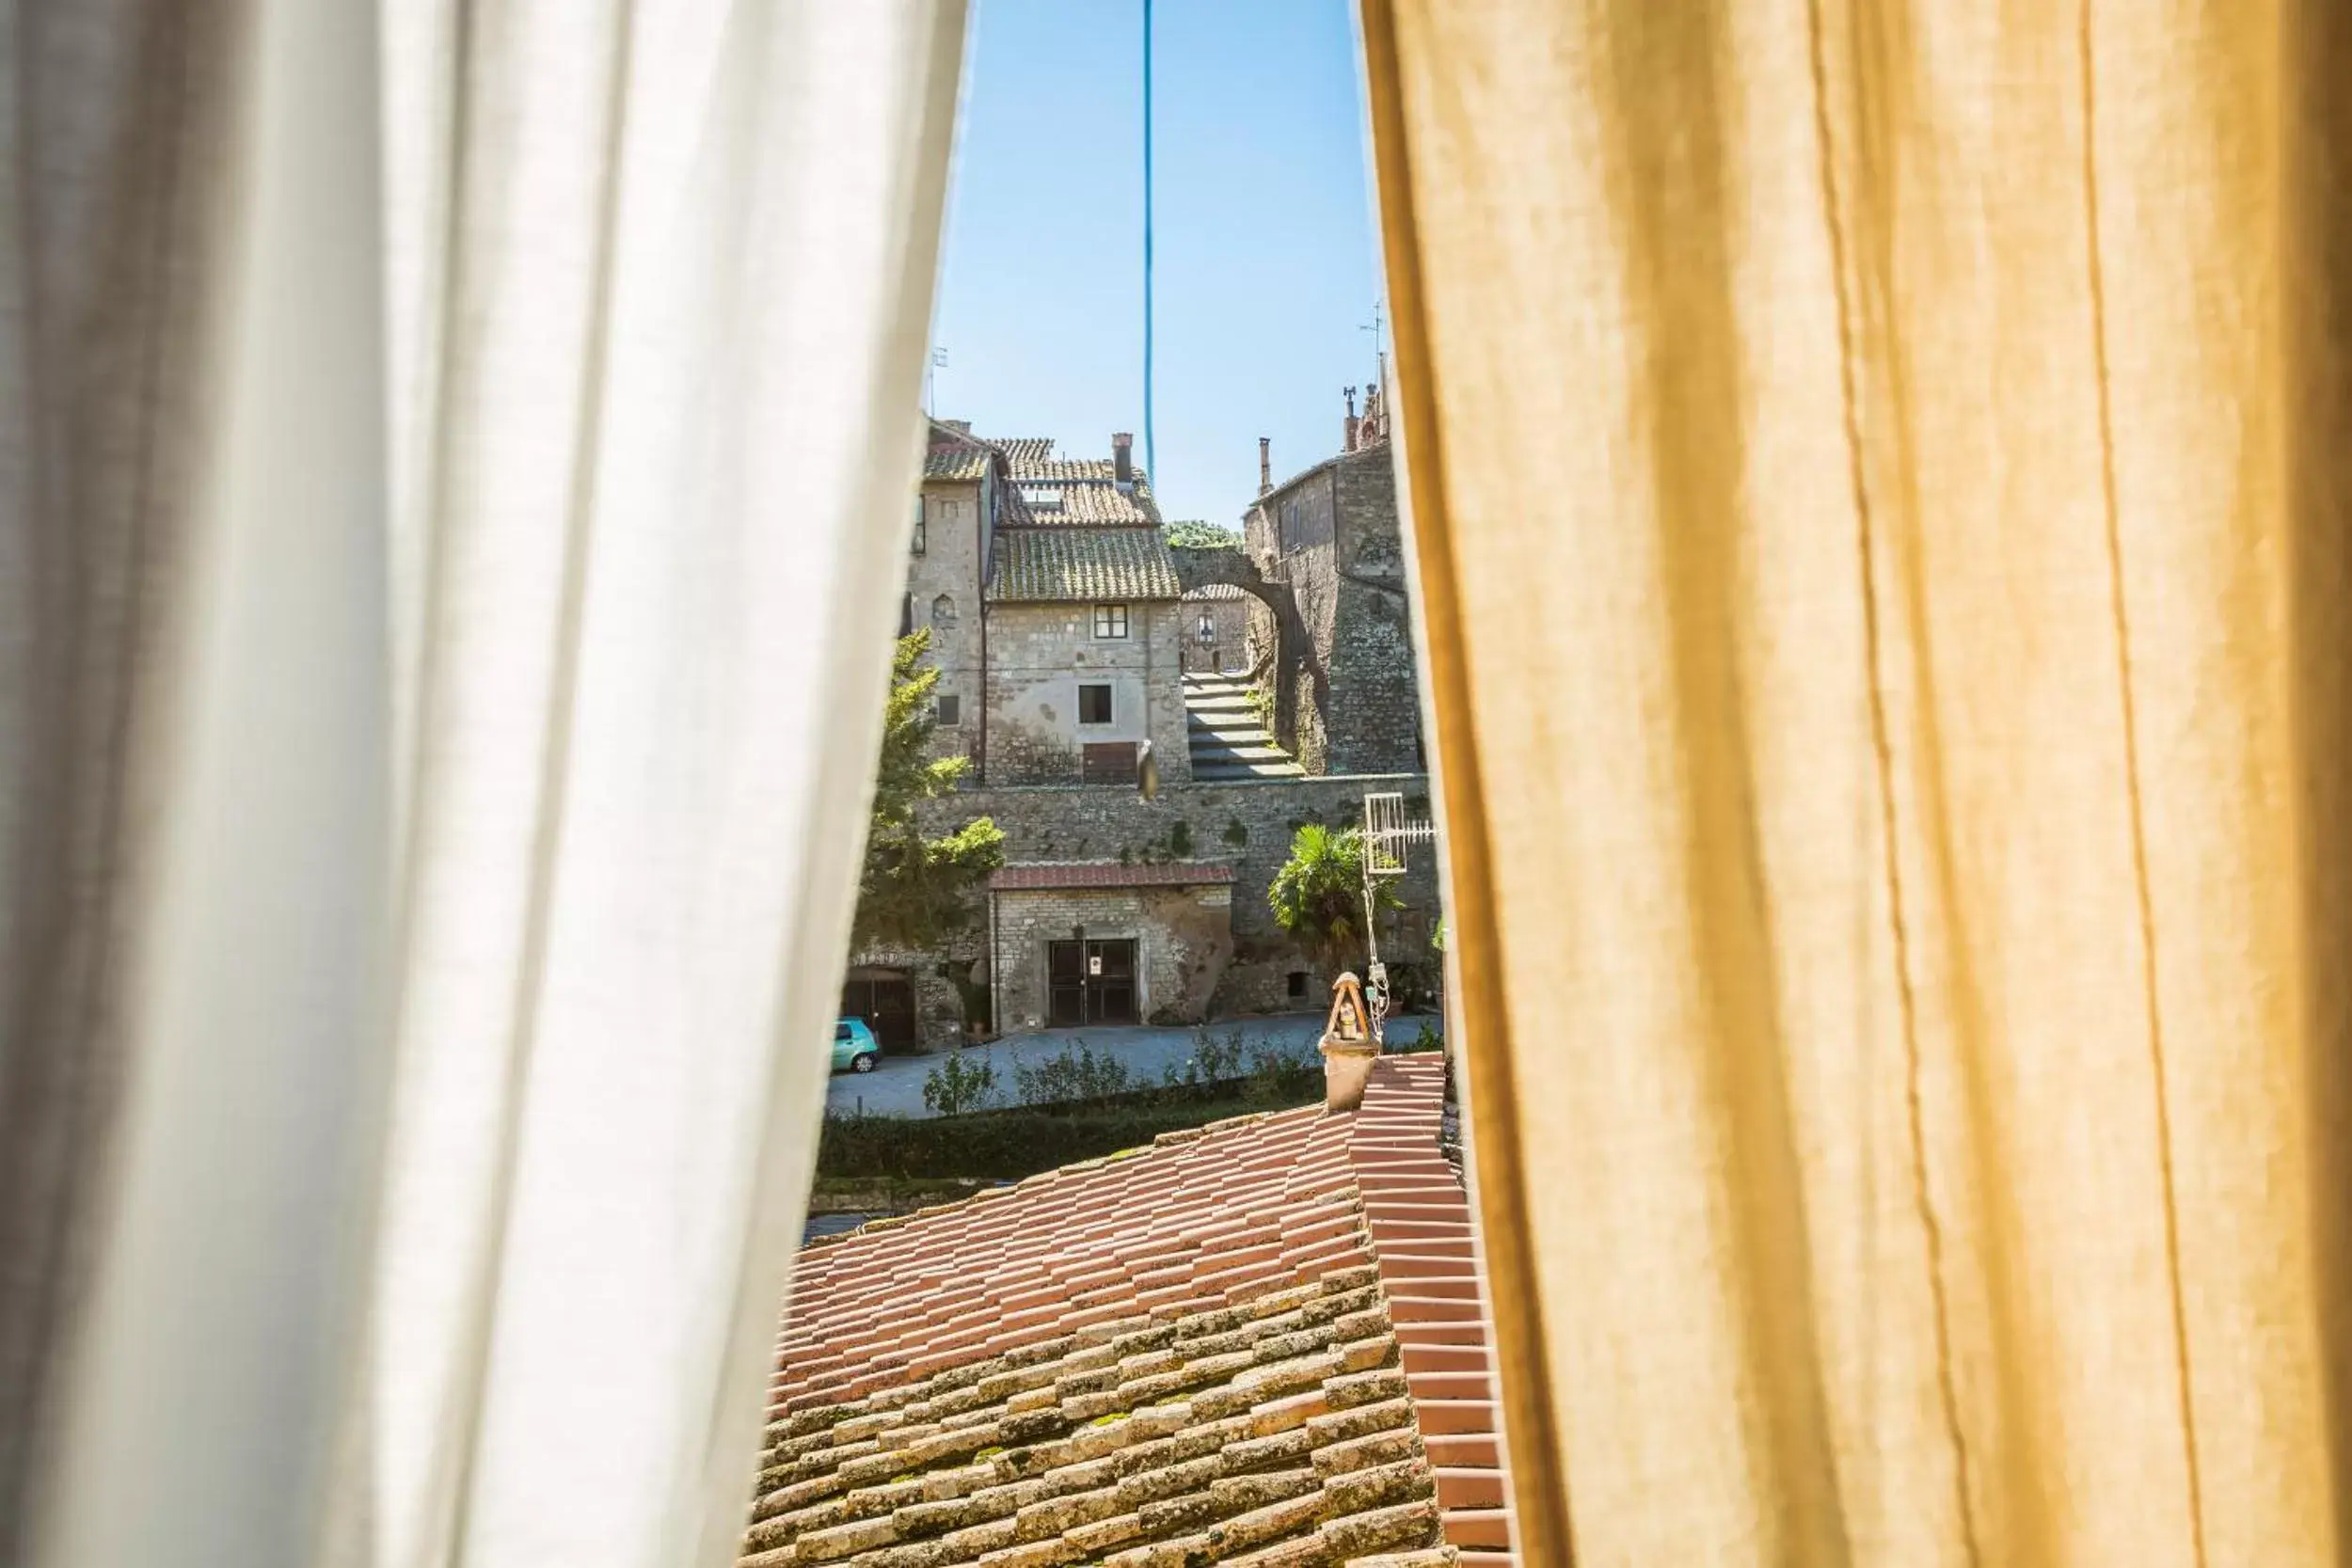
{"x":1229,"y":565}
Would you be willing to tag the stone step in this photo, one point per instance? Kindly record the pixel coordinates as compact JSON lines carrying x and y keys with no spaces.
{"x":1241,"y":772}
{"x":1266,"y":756}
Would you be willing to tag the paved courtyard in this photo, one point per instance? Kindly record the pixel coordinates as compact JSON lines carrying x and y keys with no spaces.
{"x":895,"y":1088}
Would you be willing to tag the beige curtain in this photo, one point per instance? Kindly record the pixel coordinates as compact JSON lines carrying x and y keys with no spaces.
{"x":1878,"y":481}
{"x":454,"y":459}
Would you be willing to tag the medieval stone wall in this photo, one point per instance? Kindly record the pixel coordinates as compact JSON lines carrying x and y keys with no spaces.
{"x":1183,"y":934}
{"x":1040,"y":655}
{"x":1246,"y":824}
{"x":1350,"y":701}
{"x":1373,"y":722}
{"x":944,"y":595}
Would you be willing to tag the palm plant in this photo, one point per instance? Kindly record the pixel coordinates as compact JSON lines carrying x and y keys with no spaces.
{"x":1318,"y":895}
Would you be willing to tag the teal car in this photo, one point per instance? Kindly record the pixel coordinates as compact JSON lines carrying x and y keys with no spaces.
{"x":854,"y":1048}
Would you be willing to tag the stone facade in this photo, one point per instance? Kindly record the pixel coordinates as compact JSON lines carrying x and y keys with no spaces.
{"x":1216,"y":631}
{"x":1040,"y":655}
{"x":1183,"y":934}
{"x":1350,"y":702}
{"x":939,"y":1007}
{"x":1246,"y":826}
{"x":1014,"y":551}
{"x":946,"y":564}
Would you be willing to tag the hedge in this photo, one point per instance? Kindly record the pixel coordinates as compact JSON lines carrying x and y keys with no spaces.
{"x":1009,"y":1145}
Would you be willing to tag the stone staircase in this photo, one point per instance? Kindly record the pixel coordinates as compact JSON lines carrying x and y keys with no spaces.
{"x":1228,"y":743}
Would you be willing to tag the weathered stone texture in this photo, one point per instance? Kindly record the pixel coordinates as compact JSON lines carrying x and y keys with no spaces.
{"x":1184,"y":941}
{"x":1040,"y":655}
{"x":1247,"y":826}
{"x":944,"y":594}
{"x":1350,"y":701}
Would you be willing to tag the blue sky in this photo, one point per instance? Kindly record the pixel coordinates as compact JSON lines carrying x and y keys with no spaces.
{"x":1265,"y":256}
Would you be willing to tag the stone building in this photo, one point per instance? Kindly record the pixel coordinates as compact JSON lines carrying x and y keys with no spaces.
{"x":1086,"y":642}
{"x":1216,"y":631}
{"x":1349,"y":701}
{"x":1065,"y":638}
{"x":967,"y":488}
{"x":1171,"y":895}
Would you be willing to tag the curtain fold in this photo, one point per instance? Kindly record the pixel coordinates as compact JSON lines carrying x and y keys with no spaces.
{"x":1899,"y":448}
{"x":457,"y":458}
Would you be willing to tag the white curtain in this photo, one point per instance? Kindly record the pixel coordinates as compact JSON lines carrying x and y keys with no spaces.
{"x":498,"y":654}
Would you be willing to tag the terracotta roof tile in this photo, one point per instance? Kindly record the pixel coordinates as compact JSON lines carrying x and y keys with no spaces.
{"x":1083,"y":874}
{"x":955,"y":462}
{"x":1269,"y":1411}
{"x":1026,"y":451}
{"x":1093,"y":503}
{"x":1081,"y":565}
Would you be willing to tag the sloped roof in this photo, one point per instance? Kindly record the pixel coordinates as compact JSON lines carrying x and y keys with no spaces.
{"x":955,"y":462}
{"x":1081,"y":565}
{"x":1026,"y":451}
{"x":1079,"y":874}
{"x":1096,"y":503}
{"x":1080,"y":490}
{"x":1214,"y":590}
{"x":1254,"y":1342}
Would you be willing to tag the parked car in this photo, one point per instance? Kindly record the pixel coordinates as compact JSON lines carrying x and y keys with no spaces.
{"x":854,"y":1048}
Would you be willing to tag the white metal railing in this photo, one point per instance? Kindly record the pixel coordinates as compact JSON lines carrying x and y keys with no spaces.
{"x":1388,"y":834}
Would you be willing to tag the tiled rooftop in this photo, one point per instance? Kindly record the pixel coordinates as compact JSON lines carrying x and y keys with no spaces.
{"x":1095,"y":503}
{"x":955,"y":463}
{"x":1081,"y":565}
{"x":1068,"y":873}
{"x":1025,"y":453}
{"x":1213,"y":591}
{"x":1258,"y":1342}
{"x":1076,"y":490}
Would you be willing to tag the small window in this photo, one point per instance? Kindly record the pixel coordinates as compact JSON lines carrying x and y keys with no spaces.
{"x":1208,"y":628}
{"x":951,"y":710}
{"x":942,"y":611}
{"x":1298,"y":982}
{"x":1110,"y":620}
{"x":919,"y":529}
{"x":1094,"y":704}
{"x":841,"y":1032}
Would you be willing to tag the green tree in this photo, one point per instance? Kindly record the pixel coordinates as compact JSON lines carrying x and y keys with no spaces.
{"x":916,"y":891}
{"x":1195,"y":535}
{"x":1318,"y":895}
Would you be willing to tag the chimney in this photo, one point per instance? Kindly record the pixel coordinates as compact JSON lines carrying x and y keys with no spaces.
{"x":1265,"y":464}
{"x":1124,"y":459}
{"x":1349,"y":1051}
{"x":1347,"y":431}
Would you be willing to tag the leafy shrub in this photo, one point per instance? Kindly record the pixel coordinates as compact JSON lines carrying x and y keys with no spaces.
{"x":1213,"y":1061}
{"x":1260,"y":699}
{"x":1072,"y":1075}
{"x":1193,"y":535}
{"x":958,"y":1086}
{"x":1003,"y":1144}
{"x":1278,"y":1074}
